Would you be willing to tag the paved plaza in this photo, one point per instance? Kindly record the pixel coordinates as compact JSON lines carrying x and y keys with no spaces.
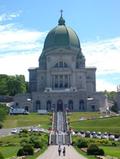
{"x":52,"y":153}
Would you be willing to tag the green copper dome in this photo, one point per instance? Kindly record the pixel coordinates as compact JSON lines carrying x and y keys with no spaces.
{"x":61,"y":36}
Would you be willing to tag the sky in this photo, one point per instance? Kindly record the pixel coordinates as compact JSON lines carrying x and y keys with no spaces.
{"x":24,"y":25}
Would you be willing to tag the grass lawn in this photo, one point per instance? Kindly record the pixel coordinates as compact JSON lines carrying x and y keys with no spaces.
{"x":10,"y":145}
{"x":9,"y":151}
{"x":75,"y":116}
{"x":12,"y":121}
{"x":111,"y":151}
{"x":14,"y":139}
{"x":107,"y":124}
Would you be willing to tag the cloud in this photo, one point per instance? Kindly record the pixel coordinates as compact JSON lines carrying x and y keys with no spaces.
{"x":23,"y":41}
{"x":19,"y":63}
{"x":9,"y":16}
{"x":105,"y":56}
{"x":103,"y":85}
{"x":19,"y":48}
{"x":15,"y":40}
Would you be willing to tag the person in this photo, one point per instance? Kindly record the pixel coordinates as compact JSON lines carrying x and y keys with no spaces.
{"x":59,"y":150}
{"x":64,"y":151}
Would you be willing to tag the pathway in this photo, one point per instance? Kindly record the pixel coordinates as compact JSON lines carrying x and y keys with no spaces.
{"x":60,"y":124}
{"x":52,"y":153}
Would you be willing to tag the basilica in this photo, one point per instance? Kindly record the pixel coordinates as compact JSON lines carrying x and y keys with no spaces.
{"x":61,"y":81}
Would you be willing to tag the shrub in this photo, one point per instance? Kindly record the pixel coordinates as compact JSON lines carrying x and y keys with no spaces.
{"x":114,"y":144}
{"x":23,"y":135}
{"x":93,"y":149}
{"x":20,"y":152}
{"x":1,"y":125}
{"x":73,"y":143}
{"x":82,"y":144}
{"x":104,"y":142}
{"x":1,"y":143}
{"x":37,"y":144}
{"x":23,"y":142}
{"x":33,"y":139}
{"x":26,"y":150}
{"x":101,"y":152}
{"x":24,"y":131}
{"x":1,"y":156}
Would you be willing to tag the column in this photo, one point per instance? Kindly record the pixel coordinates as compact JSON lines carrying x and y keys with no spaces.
{"x":69,"y":84}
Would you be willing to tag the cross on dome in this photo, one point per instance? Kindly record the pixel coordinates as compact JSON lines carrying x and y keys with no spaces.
{"x":61,"y":21}
{"x":61,"y":11}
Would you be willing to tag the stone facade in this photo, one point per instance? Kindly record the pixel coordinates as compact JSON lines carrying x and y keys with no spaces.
{"x":62,"y":81}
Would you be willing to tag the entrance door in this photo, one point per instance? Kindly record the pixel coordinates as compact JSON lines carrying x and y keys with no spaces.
{"x":60,"y":105}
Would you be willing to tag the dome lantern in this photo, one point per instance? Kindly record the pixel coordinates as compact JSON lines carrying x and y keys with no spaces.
{"x":61,"y":21}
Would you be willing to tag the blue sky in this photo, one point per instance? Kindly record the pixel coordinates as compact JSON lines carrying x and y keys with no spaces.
{"x":25,"y":23}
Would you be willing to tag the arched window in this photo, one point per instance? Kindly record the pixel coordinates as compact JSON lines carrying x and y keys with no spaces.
{"x":93,"y":107}
{"x":61,"y":64}
{"x":38,"y":105}
{"x":48,"y":107}
{"x":59,"y":105}
{"x":81,"y":105}
{"x":70,"y":105}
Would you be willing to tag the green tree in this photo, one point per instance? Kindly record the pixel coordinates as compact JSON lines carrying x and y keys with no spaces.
{"x":3,"y":112}
{"x":114,"y":108}
{"x":11,"y":85}
{"x":3,"y":84}
{"x":16,"y":84}
{"x":111,"y":95}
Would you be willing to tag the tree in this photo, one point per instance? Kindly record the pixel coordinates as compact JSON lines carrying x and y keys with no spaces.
{"x":12,"y":85}
{"x":3,"y":112}
{"x":16,"y":84}
{"x":114,"y":108}
{"x":111,"y":95}
{"x":3,"y":85}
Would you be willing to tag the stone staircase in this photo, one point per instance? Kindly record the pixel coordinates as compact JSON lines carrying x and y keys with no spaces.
{"x":60,"y":134}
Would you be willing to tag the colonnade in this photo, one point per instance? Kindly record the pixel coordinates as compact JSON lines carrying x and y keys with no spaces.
{"x":61,"y":81}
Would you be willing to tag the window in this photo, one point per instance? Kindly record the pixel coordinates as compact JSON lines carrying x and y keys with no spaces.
{"x":38,"y":105}
{"x":66,"y":85}
{"x":93,"y":107}
{"x":56,"y":85}
{"x":81,"y":105}
{"x":56,"y":65}
{"x":70,"y":105}
{"x":48,"y":105}
{"x":61,"y":64}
